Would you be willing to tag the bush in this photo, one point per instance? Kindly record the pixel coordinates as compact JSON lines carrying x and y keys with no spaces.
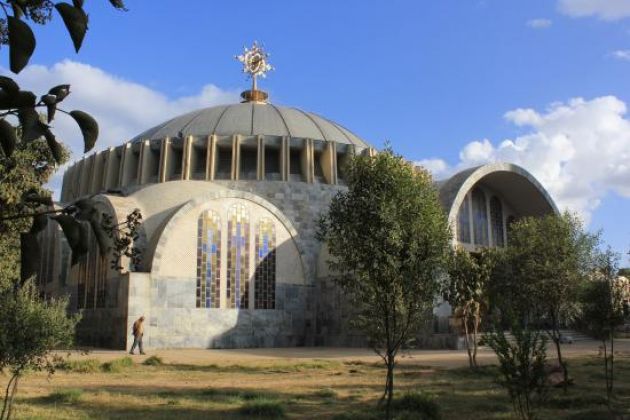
{"x":325,"y":393}
{"x":522,"y":367}
{"x":118,"y":365}
{"x":416,"y":405}
{"x":153,"y":361}
{"x":65,"y":396}
{"x":81,"y":366}
{"x":262,"y":407}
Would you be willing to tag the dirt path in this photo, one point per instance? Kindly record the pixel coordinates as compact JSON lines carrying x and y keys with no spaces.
{"x":436,"y":358}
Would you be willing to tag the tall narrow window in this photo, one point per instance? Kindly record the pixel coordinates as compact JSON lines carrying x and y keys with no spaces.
{"x":496,"y":217}
{"x":238,"y":257}
{"x":463,"y":221}
{"x":265,"y":276}
{"x":208,"y":260}
{"x":480,"y":217}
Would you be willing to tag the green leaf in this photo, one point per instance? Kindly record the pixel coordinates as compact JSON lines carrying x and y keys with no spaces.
{"x":51,"y":106}
{"x":32,"y":127}
{"x":102,"y":238}
{"x":55,"y":147}
{"x":18,"y":12}
{"x":9,"y":85}
{"x":76,"y":234}
{"x":31,"y":255}
{"x":60,"y":92}
{"x":40,"y":222}
{"x":89,"y":128}
{"x":76,"y":22}
{"x":8,"y":138}
{"x":21,"y":44}
{"x":118,"y":4}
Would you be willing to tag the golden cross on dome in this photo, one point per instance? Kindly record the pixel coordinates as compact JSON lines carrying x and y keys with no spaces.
{"x":255,"y":62}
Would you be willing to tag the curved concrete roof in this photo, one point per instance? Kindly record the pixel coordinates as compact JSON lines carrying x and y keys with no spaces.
{"x":518,"y":186}
{"x":253,"y":119}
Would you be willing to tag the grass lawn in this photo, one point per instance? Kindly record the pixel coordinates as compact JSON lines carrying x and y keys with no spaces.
{"x":306,"y":388}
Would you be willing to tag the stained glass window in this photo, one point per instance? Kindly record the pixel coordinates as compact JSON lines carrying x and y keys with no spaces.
{"x":238,"y":257}
{"x":480,"y":217}
{"x":496,"y":217}
{"x":463,"y":221}
{"x":208,"y":260}
{"x":265,"y":276}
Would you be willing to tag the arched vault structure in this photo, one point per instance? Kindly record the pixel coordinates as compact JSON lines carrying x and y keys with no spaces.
{"x":520,"y":194}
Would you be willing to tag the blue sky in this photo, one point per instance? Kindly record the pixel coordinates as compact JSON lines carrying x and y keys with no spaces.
{"x":436,"y":78}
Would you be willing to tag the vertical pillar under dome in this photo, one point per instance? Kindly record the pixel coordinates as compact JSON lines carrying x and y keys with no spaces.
{"x":236,"y":157}
{"x":186,"y":157}
{"x":284,"y":158}
{"x":328,"y":162}
{"x":164,"y":155}
{"x":260,"y":158}
{"x":211,"y":157}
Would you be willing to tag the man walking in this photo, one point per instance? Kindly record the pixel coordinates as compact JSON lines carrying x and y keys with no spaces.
{"x":137,"y":331}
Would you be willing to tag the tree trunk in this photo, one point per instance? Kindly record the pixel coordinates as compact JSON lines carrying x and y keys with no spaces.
{"x":475,"y":331}
{"x":13,"y":391}
{"x":389,"y":386}
{"x":555,"y":336}
{"x":8,"y":397}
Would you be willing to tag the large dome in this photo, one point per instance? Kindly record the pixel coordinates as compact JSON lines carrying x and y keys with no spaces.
{"x":253,"y":118}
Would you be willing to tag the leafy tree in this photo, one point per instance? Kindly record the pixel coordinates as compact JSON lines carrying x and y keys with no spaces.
{"x":521,"y":366}
{"x":624,"y":272}
{"x":603,"y":310}
{"x":29,"y":153}
{"x":465,"y":289}
{"x":550,"y":257}
{"x":29,"y":329}
{"x":389,"y":239}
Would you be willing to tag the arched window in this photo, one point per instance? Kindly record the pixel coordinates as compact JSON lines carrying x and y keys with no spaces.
{"x":463,"y":221}
{"x":480,"y":217}
{"x":265,"y":276}
{"x":208,"y":260}
{"x":92,"y":277}
{"x":496,"y":217}
{"x":238,"y":257}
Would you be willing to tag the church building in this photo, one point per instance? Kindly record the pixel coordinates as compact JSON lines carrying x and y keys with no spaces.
{"x":230,"y":198}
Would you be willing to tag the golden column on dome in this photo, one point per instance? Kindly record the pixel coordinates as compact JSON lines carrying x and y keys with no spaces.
{"x":255,"y":64}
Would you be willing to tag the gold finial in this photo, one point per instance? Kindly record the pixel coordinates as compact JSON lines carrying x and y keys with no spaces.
{"x":255,"y":64}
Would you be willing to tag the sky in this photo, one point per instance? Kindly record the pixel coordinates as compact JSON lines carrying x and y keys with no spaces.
{"x":450,"y":83}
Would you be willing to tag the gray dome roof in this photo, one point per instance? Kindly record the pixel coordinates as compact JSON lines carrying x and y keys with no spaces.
{"x":253,"y":119}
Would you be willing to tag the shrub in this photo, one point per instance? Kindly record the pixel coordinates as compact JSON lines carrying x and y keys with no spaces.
{"x":325,"y":393}
{"x":153,"y":361}
{"x":416,"y":405}
{"x":521,"y":367}
{"x":65,"y":396}
{"x":81,"y":366}
{"x":262,"y":407}
{"x":118,"y":365}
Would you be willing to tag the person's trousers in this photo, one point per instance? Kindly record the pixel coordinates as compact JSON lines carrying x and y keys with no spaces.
{"x":137,"y":341}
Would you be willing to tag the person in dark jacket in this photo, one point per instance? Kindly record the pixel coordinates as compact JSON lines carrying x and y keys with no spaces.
{"x":137,"y":331}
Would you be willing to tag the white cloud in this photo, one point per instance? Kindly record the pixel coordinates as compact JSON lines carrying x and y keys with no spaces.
{"x":437,"y":167}
{"x":579,"y":150}
{"x":603,"y":9}
{"x":122,"y":108}
{"x":623,"y":55}
{"x":539,"y":23}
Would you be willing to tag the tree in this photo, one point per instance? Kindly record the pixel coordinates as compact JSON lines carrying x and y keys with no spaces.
{"x":550,"y":257}
{"x":465,"y":289}
{"x":388,"y":238}
{"x":29,"y":329}
{"x":603,"y":310}
{"x":521,"y":366}
{"x":29,"y":153}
